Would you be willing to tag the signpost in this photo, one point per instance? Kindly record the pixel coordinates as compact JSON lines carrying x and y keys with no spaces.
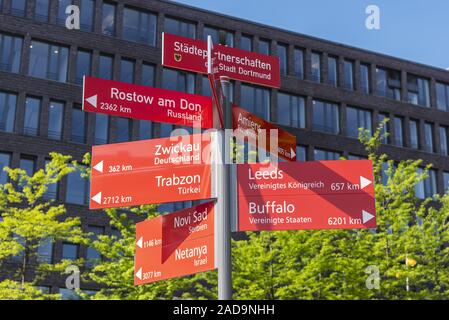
{"x":146,"y":103}
{"x":174,"y":245}
{"x":306,"y":195}
{"x":191,"y":55}
{"x":249,"y":125}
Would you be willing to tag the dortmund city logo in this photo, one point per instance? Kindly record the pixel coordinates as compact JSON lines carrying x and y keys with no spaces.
{"x":178,"y":57}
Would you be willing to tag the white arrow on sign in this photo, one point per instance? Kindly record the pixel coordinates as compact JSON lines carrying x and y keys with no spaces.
{"x":139,"y":274}
{"x":97,"y":198}
{"x":366,"y":216}
{"x":99,"y":166}
{"x":92,"y":100}
{"x":140,"y":242}
{"x":364,"y":182}
{"x":293,"y":153}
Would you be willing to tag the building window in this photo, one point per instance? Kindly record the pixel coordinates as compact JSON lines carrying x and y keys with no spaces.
{"x":398,"y":132}
{"x":68,"y":294}
{"x":93,"y":256}
{"x":246,"y":43}
{"x":256,"y":100}
{"x":45,"y":251}
{"x":69,"y":251}
{"x":180,"y":28}
{"x":8,"y":104}
{"x":123,"y":130}
{"x":264,"y":46}
{"x":301,"y":153}
{"x":444,"y":142}
{"x":83,"y":65}
{"x":388,"y":83}
{"x":332,"y":73}
{"x":326,"y":117}
{"x":62,"y":16}
{"x":48,"y":61}
{"x":428,"y":187}
{"x":108,"y":19}
{"x":18,"y":8}
{"x":28,"y":164}
{"x":320,"y":154}
{"x":446,"y":181}
{"x":43,"y":289}
{"x":41,"y":10}
{"x":101,"y":128}
{"x":178,"y":81}
{"x":316,"y":67}
{"x":5,"y":159}
{"x":414,"y":134}
{"x":145,"y":129}
{"x":52,"y":189}
{"x":215,"y":34}
{"x":355,"y":157}
{"x":357,"y":118}
{"x":106,"y":67}
{"x":384,"y":132}
{"x":428,"y":137}
{"x":127,"y":70}
{"x":364,"y":78}
{"x":282,"y":51}
{"x":418,"y":91}
{"x":32,"y":115}
{"x":139,"y":26}
{"x":148,"y":72}
{"x":55,"y":120}
{"x":298,"y":55}
{"x":442,"y":96}
{"x":173,"y":206}
{"x":79,"y":125}
{"x":77,"y":188}
{"x":10,"y":53}
{"x":348,"y":67}
{"x":291,"y":110}
{"x":87,"y":10}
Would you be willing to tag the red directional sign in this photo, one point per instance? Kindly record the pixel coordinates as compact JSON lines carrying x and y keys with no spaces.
{"x":248,"y":125}
{"x":174,"y":245}
{"x":151,"y":171}
{"x":306,"y":195}
{"x":191,"y":54}
{"x":146,"y":103}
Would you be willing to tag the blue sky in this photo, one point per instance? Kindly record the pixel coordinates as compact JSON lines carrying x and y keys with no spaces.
{"x":416,"y":30}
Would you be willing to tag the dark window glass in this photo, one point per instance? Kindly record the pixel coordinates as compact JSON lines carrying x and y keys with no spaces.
{"x":101,"y":128}
{"x":442,"y":96}
{"x":41,"y":10}
{"x":364,"y":78}
{"x":326,"y":117}
{"x":264,"y":46}
{"x":123,"y":132}
{"x":139,"y":26}
{"x":316,"y":67}
{"x":108,"y":19}
{"x":291,"y":110}
{"x":145,"y":129}
{"x":87,"y":11}
{"x":398,"y":132}
{"x":127,"y":71}
{"x":62,"y":16}
{"x":418,"y":91}
{"x":44,"y":289}
{"x":5,"y":159}
{"x":380,"y":118}
{"x":105,"y":67}
{"x":428,"y":136}
{"x":32,"y":115}
{"x":93,"y":255}
{"x":178,"y":81}
{"x":282,"y":51}
{"x":357,"y":118}
{"x":301,"y":153}
{"x":77,"y":188}
{"x":355,"y":157}
{"x":55,"y":120}
{"x":8,"y":104}
{"x":79,"y":125}
{"x":165,"y":130}
{"x":414,"y":134}
{"x":18,"y":8}
{"x":148,"y":74}
{"x":68,"y":294}
{"x":174,"y":206}
{"x":10,"y":53}
{"x":28,"y":165}
{"x":180,"y":28}
{"x":299,"y":63}
{"x":320,"y":155}
{"x":69,"y":251}
{"x":446,"y":181}
{"x":388,"y":83}
{"x":45,"y":251}
{"x":246,"y":43}
{"x":332,"y":74}
{"x":52,"y":189}
{"x":348,"y":74}
{"x":444,"y":142}
{"x":83,"y":65}
{"x":256,"y":100}
{"x":428,"y":187}
{"x":48,"y":61}
{"x":215,"y":34}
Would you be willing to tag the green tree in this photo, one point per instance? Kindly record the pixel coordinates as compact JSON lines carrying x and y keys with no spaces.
{"x":28,"y":221}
